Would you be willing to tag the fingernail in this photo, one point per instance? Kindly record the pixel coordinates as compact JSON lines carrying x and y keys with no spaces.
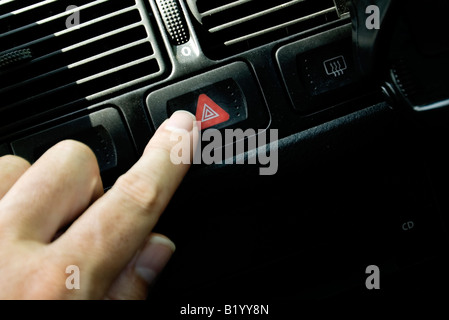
{"x":153,"y":258}
{"x":181,"y":121}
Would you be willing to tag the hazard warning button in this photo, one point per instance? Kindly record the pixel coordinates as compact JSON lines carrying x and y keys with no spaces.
{"x":209,"y":113}
{"x":219,"y":105}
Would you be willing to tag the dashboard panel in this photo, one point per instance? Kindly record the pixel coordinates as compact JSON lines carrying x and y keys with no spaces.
{"x":360,"y":177}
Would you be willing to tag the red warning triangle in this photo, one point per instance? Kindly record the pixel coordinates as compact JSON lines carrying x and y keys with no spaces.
{"x":209,"y":113}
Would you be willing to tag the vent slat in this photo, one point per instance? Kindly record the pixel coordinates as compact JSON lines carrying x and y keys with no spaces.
{"x":228,"y":27}
{"x":108,"y":72}
{"x":36,"y":86}
{"x":69,"y":32}
{"x":60,"y":57}
{"x":83,"y":81}
{"x":67,"y":93}
{"x":254,"y":16}
{"x":54,"y":27}
{"x":19,"y":22}
{"x":113,"y":48}
{"x":280,"y":26}
{"x":7,"y":6}
{"x":105,"y":35}
{"x":224,"y":7}
{"x":75,"y":65}
{"x":25,"y":9}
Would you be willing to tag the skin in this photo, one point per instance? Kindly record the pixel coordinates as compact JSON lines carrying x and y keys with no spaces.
{"x":54,"y":214}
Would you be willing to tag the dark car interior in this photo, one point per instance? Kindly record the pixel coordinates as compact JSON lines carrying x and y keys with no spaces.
{"x":357,"y":91}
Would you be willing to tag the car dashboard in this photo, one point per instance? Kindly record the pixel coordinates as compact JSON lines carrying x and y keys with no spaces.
{"x":360,"y":173}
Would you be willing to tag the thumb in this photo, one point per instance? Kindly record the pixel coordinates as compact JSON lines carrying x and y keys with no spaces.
{"x":134,"y":281}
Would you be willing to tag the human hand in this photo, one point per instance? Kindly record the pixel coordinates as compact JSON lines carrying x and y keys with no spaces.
{"x":109,"y":235}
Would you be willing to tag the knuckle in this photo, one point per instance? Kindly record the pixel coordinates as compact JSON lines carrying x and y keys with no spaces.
{"x":138,"y":190}
{"x":163,"y":141}
{"x":166,"y":139}
{"x":15,"y":161}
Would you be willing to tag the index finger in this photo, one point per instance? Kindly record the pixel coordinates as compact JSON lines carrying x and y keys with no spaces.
{"x":12,"y":167}
{"x":110,"y":232}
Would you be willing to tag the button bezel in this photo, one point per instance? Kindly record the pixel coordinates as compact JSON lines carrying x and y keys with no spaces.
{"x":292,"y":73}
{"x":257,"y":110}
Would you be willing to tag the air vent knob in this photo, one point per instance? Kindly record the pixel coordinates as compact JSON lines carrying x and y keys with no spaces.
{"x":174,"y":21}
{"x":14,"y":57}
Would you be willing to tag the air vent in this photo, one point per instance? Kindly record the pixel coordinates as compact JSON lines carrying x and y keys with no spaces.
{"x":51,"y":61}
{"x":231,"y":26}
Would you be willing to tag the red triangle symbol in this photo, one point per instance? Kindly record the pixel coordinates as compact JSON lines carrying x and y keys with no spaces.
{"x":209,"y":113}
